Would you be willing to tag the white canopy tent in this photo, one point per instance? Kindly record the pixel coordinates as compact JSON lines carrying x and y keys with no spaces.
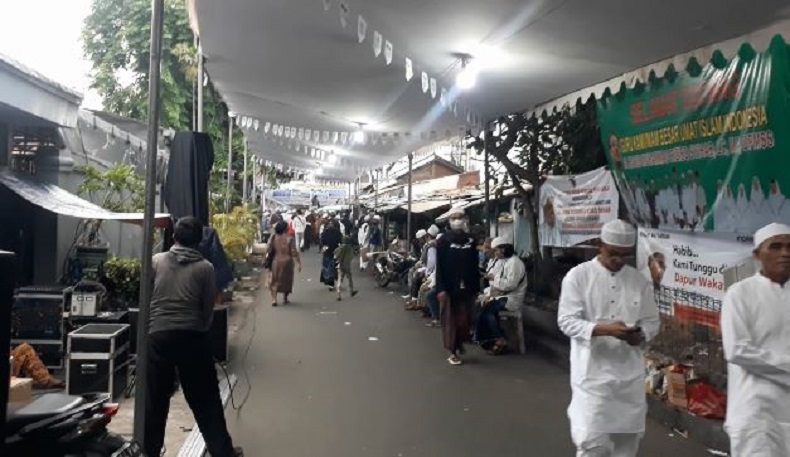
{"x":293,"y":67}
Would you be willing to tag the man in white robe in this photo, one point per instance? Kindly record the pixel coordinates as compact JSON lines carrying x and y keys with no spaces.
{"x":608,"y":310}
{"x":364,"y":243}
{"x":754,"y":327}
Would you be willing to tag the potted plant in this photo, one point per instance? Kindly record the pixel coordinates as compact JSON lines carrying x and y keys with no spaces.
{"x":238,"y":231}
{"x":121,"y":277}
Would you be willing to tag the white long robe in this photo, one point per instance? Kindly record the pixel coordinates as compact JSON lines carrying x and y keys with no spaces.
{"x":723,"y":214}
{"x":754,"y":326}
{"x":779,"y":209}
{"x":759,"y":210}
{"x":689,"y":205}
{"x":607,"y":374}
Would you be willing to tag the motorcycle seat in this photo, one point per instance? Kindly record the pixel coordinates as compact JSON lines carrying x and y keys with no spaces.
{"x":43,"y":407}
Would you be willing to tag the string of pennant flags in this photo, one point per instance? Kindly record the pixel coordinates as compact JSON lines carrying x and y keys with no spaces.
{"x":380,"y":45}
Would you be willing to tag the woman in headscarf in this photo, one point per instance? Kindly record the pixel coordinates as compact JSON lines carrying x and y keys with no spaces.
{"x":285,"y":256}
{"x":757,"y":203}
{"x":777,"y":204}
{"x":742,"y":211}
{"x":723,"y":211}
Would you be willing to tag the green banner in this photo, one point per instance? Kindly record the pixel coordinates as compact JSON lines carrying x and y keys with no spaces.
{"x":708,"y":148}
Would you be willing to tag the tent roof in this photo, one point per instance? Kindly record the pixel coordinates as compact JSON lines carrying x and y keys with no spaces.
{"x":291,"y":63}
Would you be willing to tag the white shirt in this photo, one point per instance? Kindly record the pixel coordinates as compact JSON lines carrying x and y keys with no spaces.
{"x":607,"y":374}
{"x":755,"y":329}
{"x":362,"y":236}
{"x":300,"y":225}
{"x":511,"y":280}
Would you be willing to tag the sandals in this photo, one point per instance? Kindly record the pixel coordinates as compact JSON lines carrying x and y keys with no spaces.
{"x":455,"y":360}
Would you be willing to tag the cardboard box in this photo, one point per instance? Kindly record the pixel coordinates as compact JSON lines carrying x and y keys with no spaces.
{"x":21,"y":390}
{"x":676,"y":387}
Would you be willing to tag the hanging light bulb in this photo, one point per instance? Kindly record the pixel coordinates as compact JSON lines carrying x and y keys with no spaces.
{"x":467,"y":77}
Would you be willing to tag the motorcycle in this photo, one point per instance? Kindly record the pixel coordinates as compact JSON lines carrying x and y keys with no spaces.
{"x":60,"y":425}
{"x":392,"y":267}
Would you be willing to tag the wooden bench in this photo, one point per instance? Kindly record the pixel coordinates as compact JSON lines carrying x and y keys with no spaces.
{"x":519,"y":317}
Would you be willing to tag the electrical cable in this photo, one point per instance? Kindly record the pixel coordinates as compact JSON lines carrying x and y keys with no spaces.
{"x":243,"y":364}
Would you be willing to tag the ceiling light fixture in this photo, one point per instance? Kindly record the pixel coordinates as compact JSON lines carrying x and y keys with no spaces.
{"x":359,"y":135}
{"x":467,"y":77}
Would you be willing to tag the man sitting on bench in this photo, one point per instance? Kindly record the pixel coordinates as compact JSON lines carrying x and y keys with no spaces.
{"x":508,"y":287}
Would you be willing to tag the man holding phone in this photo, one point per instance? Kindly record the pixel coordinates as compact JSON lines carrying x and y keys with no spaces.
{"x":608,"y":310}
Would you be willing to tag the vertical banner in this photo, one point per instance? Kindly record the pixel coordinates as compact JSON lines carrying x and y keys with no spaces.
{"x":706,"y":149}
{"x":691,"y":272}
{"x":574,"y":207}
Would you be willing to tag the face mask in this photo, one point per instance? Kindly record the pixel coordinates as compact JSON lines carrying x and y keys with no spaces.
{"x":458,"y":224}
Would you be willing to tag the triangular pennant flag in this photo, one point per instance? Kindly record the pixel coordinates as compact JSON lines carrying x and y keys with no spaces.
{"x":409,"y":69}
{"x":362,"y":28}
{"x":433,"y":87}
{"x":388,"y":52}
{"x":288,"y":132}
{"x":343,"y":137}
{"x":443,"y":97}
{"x":327,"y":5}
{"x":300,"y":133}
{"x":344,"y":12}
{"x":385,"y":138}
{"x":316,"y":136}
{"x":266,"y":127}
{"x":293,"y":133}
{"x":424,"y":82}
{"x":325,"y":137}
{"x":308,"y":134}
{"x":335,"y":137}
{"x":396,"y":138}
{"x":377,"y":42}
{"x":276,"y":130}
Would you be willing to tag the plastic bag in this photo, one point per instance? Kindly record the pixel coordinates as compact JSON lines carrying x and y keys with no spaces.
{"x":705,"y":401}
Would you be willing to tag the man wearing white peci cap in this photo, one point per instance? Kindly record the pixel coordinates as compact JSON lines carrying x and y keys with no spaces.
{"x":608,"y":310}
{"x":755,"y":318}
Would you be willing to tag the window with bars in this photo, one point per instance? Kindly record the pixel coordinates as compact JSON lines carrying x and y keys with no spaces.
{"x":28,"y":143}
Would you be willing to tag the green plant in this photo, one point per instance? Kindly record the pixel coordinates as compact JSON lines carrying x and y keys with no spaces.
{"x":119,"y":189}
{"x":237,"y":231}
{"x":121,"y":277}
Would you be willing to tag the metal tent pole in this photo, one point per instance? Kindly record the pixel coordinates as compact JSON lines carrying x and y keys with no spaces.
{"x":230,"y":162}
{"x":154,"y":86}
{"x":408,"y":214}
{"x":200,"y":76}
{"x":244,"y":178}
{"x":487,"y":177}
{"x":375,"y":190}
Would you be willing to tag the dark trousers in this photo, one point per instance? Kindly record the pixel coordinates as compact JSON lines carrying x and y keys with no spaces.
{"x":488,"y":328}
{"x":190,"y":354}
{"x":433,"y":303}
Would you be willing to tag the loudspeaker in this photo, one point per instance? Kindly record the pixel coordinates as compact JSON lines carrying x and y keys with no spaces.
{"x":7,"y":275}
{"x":219,"y":333}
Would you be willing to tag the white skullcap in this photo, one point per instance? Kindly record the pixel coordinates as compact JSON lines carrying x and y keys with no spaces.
{"x":433,"y":230}
{"x":421,"y":233}
{"x":618,"y":233}
{"x":376,"y":217}
{"x":770,"y":231}
{"x":367,"y":218}
{"x":456,"y":210}
{"x":501,"y":240}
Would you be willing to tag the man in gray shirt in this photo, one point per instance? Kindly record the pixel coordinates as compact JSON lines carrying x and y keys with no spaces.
{"x":182,"y":306}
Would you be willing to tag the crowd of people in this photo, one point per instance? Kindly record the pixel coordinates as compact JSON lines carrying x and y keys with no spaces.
{"x":608,"y":310}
